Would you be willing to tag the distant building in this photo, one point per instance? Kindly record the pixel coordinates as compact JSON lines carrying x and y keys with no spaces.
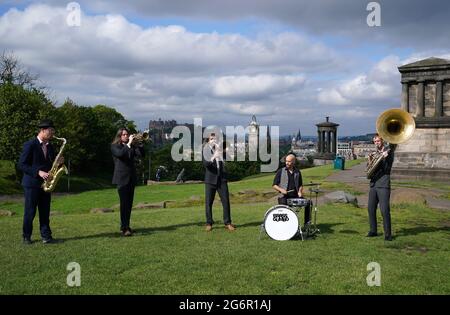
{"x":345,"y":149}
{"x":160,"y":130}
{"x":362,"y":150}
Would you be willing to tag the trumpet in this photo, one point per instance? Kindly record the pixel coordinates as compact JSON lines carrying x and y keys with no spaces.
{"x":142,"y":136}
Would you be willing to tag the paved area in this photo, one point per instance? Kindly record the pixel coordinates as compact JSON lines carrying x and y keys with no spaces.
{"x":354,"y":175}
{"x":356,"y":178}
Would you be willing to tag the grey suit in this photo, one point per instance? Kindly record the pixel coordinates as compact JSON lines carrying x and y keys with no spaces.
{"x":379,"y":194}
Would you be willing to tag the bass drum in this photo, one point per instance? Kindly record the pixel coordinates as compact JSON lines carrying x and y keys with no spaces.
{"x":281,"y":223}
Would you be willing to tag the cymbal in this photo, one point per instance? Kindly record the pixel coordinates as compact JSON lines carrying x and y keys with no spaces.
{"x":311,"y":184}
{"x":315,"y":190}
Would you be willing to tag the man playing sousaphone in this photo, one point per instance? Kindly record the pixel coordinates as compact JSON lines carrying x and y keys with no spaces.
{"x":288,"y":182}
{"x":380,"y":187}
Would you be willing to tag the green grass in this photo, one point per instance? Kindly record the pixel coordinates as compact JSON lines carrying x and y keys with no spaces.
{"x":172,"y":254}
{"x":107,"y":198}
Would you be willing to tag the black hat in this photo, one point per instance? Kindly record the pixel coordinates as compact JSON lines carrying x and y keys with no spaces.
{"x":46,"y":123}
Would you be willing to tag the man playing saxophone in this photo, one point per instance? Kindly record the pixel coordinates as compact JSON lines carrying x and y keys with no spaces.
{"x":380,"y":187}
{"x":35,"y":162}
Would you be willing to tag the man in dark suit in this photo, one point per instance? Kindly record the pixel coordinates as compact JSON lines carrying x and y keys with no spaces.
{"x":215,"y":181}
{"x":380,"y":189}
{"x":125,"y":152}
{"x":35,"y":162}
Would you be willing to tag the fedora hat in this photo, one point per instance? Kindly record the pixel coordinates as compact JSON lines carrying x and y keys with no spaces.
{"x":46,"y":123}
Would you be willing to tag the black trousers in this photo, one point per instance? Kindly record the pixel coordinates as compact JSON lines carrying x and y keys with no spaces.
{"x":283,"y":201}
{"x":379,"y":196}
{"x":210,"y":193}
{"x":36,"y":198}
{"x":126,"y":195}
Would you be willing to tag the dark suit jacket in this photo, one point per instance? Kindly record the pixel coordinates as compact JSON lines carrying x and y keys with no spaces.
{"x":382,"y":176}
{"x":124,"y":163}
{"x":214,"y":174}
{"x":32,"y":161}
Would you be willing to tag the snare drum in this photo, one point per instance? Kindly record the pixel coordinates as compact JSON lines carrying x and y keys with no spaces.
{"x":297,"y":202}
{"x":281,"y":223}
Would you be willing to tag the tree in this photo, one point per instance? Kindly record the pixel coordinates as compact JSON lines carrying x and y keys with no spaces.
{"x":12,"y":72}
{"x":20,"y":112}
{"x":108,"y":122}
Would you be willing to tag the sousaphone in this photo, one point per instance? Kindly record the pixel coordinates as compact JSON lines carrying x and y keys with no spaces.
{"x":394,"y":126}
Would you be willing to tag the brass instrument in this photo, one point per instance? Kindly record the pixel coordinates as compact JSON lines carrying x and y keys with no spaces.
{"x":56,"y":171}
{"x":394,"y":126}
{"x":141,"y":137}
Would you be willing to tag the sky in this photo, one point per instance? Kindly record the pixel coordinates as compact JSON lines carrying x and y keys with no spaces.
{"x":290,"y":63}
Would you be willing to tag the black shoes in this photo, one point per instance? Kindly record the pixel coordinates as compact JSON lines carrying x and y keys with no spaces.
{"x":386,"y":237}
{"x":27,"y":241}
{"x":127,"y":232}
{"x":50,"y":240}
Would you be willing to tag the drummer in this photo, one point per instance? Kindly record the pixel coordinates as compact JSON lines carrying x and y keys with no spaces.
{"x":288,"y":182}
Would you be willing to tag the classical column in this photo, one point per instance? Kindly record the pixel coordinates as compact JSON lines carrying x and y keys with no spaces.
{"x":328,"y":142}
{"x":334,"y":141}
{"x":420,"y":99}
{"x":405,"y":97}
{"x":324,"y":144}
{"x":319,"y":142}
{"x":439,"y":111}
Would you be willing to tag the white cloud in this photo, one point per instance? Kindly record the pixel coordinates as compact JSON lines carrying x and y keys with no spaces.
{"x":258,"y":86}
{"x":250,"y":109}
{"x":380,"y":83}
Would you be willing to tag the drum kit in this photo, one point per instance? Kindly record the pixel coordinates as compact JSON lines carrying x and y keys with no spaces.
{"x":282,"y":222}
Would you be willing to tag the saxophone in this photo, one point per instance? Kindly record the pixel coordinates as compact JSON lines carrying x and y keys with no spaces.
{"x":56,"y":171}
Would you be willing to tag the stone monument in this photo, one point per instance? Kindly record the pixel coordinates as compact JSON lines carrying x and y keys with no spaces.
{"x":426,"y":96}
{"x":326,"y":142}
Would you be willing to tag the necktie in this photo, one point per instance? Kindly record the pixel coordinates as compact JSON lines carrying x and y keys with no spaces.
{"x":44,"y":149}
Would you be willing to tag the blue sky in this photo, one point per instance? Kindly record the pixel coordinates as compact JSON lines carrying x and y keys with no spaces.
{"x":289,"y":62}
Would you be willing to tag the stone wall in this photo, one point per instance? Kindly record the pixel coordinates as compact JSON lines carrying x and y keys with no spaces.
{"x":426,"y":153}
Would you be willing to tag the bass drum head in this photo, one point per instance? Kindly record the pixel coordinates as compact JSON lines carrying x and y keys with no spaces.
{"x":281,"y":223}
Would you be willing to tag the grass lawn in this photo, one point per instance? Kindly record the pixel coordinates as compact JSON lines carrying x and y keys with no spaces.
{"x":172,"y":254}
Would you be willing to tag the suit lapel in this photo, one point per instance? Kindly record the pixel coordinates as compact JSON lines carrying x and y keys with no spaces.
{"x":39,"y":149}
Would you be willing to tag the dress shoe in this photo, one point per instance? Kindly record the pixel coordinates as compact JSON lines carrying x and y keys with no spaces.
{"x":51,"y":240}
{"x":371,"y":234}
{"x":388,"y":238}
{"x":230,"y":227}
{"x":208,"y":228}
{"x":27,"y":241}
